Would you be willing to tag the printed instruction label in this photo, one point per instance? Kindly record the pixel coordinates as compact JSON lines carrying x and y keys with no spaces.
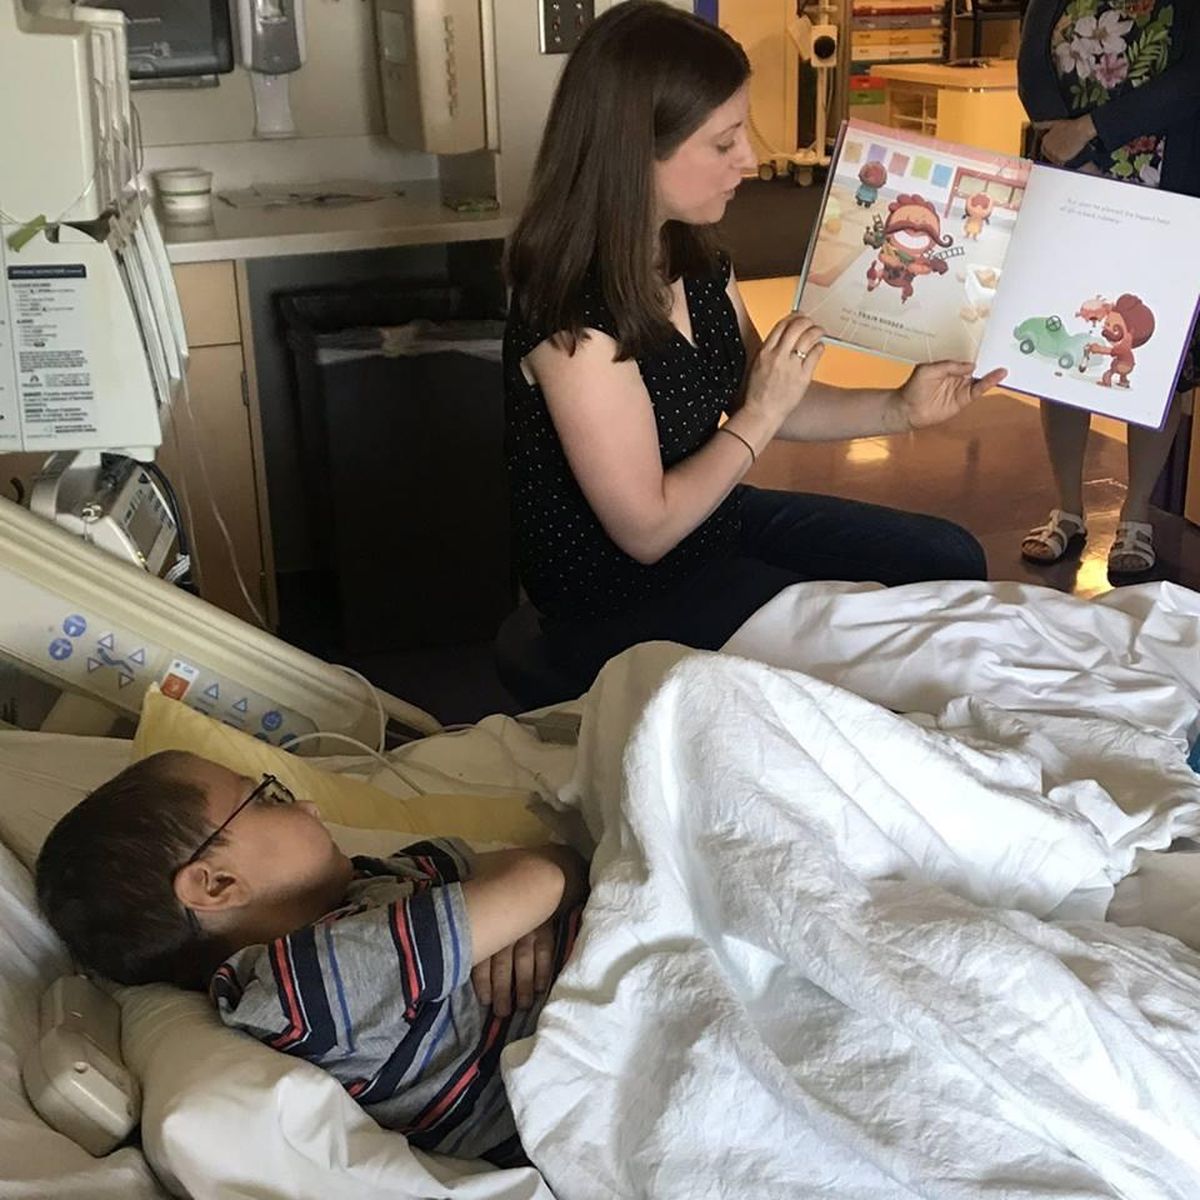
{"x":48,"y":320}
{"x":10,"y":400}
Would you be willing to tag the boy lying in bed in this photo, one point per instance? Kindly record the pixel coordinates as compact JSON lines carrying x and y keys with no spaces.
{"x":398,"y":976}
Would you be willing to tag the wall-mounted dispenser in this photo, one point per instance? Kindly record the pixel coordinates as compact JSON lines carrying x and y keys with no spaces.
{"x":172,"y":43}
{"x":433,"y":60}
{"x":271,"y":44}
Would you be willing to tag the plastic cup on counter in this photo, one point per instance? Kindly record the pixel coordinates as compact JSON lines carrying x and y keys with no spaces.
{"x":185,"y":194}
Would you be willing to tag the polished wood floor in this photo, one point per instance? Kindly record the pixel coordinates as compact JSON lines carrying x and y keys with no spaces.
{"x":986,"y":469}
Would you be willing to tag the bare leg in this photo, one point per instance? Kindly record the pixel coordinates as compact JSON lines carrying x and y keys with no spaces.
{"x":1066,"y":433}
{"x":1147,"y":451}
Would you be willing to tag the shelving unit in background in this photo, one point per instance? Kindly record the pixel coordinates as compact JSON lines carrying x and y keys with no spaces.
{"x":891,"y":32}
{"x":972,"y":17}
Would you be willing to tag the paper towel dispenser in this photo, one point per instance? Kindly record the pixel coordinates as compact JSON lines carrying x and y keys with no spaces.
{"x":173,"y":40}
{"x":435,"y":59}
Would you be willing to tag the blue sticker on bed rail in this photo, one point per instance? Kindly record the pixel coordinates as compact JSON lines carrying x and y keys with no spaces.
{"x":1194,"y":757}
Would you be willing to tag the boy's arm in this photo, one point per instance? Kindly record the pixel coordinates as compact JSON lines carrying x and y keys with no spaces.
{"x":512,"y":892}
{"x":308,"y":992}
{"x":370,"y":965}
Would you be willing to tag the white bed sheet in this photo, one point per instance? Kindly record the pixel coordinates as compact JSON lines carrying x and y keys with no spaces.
{"x":1133,"y":654}
{"x":1069,"y":672}
{"x":812,"y":963}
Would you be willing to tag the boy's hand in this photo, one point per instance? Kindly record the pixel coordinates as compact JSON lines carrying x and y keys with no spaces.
{"x":517,"y":973}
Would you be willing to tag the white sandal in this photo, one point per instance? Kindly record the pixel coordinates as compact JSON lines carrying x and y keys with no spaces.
{"x":1062,"y":532}
{"x":1135,"y":540}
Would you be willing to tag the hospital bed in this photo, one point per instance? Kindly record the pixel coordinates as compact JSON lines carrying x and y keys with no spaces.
{"x":225,"y":1118}
{"x":83,"y":637}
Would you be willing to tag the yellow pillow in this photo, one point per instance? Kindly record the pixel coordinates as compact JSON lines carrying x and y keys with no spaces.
{"x":170,"y":725}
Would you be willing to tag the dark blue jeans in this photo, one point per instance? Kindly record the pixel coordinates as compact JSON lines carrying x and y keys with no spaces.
{"x":787,"y":537}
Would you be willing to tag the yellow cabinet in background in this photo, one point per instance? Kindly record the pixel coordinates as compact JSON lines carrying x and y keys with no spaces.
{"x":974,"y":106}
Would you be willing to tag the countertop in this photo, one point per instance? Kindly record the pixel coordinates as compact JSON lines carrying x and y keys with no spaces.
{"x":417,"y":218}
{"x":1000,"y":75}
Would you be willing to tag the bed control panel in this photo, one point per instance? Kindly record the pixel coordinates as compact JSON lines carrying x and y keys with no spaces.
{"x":82,"y":636}
{"x":74,"y":1075}
{"x":87,"y":652}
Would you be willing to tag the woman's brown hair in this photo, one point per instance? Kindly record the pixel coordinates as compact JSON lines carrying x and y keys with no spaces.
{"x":644,"y":77}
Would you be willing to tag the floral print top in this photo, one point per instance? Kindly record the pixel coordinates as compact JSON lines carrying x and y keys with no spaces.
{"x":1102,"y":48}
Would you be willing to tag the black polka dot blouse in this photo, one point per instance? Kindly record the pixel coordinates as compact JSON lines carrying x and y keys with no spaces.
{"x":570,"y":568}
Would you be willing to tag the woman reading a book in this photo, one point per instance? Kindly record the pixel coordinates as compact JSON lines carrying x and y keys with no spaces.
{"x":1114,"y":86}
{"x":627,"y":345}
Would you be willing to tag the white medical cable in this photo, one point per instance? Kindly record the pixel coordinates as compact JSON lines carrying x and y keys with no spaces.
{"x":212,"y":504}
{"x":353,"y":741}
{"x":135,"y":128}
{"x":181,"y":488}
{"x":539,"y":788}
{"x":183,"y":564}
{"x":9,"y":219}
{"x":374,"y":694}
{"x":395,"y":770}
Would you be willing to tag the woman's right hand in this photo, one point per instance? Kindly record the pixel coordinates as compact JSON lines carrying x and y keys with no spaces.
{"x":784,"y":368}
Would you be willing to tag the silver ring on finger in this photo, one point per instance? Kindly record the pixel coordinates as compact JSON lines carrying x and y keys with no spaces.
{"x":800,"y":354}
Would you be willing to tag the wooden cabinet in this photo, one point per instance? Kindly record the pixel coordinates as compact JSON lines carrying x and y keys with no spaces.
{"x":211,"y":450}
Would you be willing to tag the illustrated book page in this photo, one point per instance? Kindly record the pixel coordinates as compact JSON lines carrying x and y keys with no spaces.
{"x":911,"y":243}
{"x":1099,"y":293}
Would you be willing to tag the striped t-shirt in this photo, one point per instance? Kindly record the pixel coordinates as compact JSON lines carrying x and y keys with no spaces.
{"x":379,"y":994}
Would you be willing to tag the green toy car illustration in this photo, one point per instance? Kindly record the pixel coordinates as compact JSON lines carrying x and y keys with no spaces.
{"x":1046,"y":336}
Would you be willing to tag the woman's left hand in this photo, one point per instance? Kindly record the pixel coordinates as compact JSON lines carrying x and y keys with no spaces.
{"x":1063,"y":140}
{"x":937,"y":391}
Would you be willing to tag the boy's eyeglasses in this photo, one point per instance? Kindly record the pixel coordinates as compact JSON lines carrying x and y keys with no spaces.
{"x":269,"y":791}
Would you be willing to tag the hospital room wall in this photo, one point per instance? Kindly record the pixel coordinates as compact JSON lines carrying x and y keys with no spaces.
{"x":525,"y":82}
{"x":336,"y":103}
{"x":338,"y":108}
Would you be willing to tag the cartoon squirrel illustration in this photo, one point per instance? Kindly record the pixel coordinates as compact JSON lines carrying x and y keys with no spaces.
{"x":1095,"y":309}
{"x":871,"y":178}
{"x":1128,"y":324}
{"x":979,"y":213}
{"x":905,"y":243}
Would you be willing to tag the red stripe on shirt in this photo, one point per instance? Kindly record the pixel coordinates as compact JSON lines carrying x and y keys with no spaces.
{"x":470,"y":1073}
{"x":408,"y":965}
{"x":297,"y":1028}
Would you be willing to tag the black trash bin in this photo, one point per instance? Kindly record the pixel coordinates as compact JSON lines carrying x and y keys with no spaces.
{"x":400,"y":404}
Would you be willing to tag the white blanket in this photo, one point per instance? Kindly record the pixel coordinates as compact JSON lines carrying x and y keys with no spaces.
{"x":1132,"y":655}
{"x":813,"y":964}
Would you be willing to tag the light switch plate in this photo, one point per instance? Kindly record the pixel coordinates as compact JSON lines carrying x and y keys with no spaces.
{"x":562,"y":22}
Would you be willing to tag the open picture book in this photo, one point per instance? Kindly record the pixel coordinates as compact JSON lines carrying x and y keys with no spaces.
{"x":1083,"y":288}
